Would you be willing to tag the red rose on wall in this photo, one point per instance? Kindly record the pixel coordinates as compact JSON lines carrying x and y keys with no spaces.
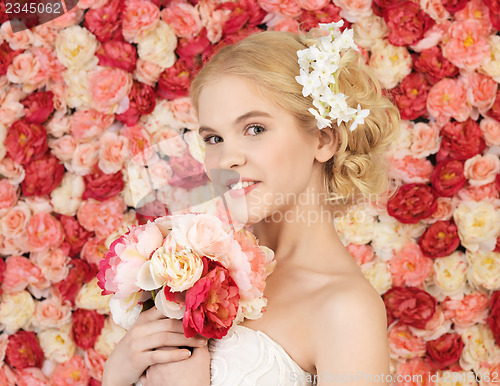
{"x":411,"y":305}
{"x":434,"y":65}
{"x":75,"y":235}
{"x":80,"y":272}
{"x":494,"y":316}
{"x":440,"y":239}
{"x":7,"y":54}
{"x":329,"y":13}
{"x":2,"y":270}
{"x":26,"y":141}
{"x":494,"y":7}
{"x":23,"y":350}
{"x":192,"y":51}
{"x":453,"y":6}
{"x":86,"y":327}
{"x":211,"y":303}
{"x":411,"y":96}
{"x":119,"y":54}
{"x":412,"y":202}
{"x":407,"y":23}
{"x":174,"y":81}
{"x":101,"y":186}
{"x":448,"y":177}
{"x":38,"y":106}
{"x":444,"y":351}
{"x":461,"y":140}
{"x":105,"y":22}
{"x":494,"y":111}
{"x":42,"y":176}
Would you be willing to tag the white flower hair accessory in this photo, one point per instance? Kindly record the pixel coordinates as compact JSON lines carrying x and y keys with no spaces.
{"x":318,"y":76}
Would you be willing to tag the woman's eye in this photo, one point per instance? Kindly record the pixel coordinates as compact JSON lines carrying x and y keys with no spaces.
{"x":209,"y":137}
{"x":259,"y":128}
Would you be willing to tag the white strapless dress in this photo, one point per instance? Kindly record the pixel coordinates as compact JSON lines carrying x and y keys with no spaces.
{"x":246,"y":357}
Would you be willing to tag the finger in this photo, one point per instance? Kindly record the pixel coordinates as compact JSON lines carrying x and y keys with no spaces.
{"x":166,"y":356}
{"x":143,"y":380}
{"x":162,"y":339}
{"x":170,"y":325}
{"x":152,"y":314}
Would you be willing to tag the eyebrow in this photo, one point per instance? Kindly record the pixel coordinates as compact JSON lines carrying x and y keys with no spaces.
{"x":250,"y":114}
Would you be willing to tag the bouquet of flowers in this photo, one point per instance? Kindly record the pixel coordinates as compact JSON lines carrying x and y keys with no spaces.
{"x":193,"y":266}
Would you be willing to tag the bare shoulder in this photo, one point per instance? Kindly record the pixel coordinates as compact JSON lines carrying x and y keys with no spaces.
{"x":349,"y":331}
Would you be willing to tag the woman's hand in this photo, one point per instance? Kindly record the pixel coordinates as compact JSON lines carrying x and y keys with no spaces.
{"x":192,"y":371}
{"x":137,"y":350}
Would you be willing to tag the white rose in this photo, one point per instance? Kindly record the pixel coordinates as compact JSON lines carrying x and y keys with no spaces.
{"x":57,"y":344}
{"x":484,"y":269}
{"x":76,"y":46}
{"x":478,"y":224}
{"x":369,"y":29}
{"x":378,"y":274}
{"x":78,"y":93}
{"x":90,"y":298}
{"x":491,"y":64}
{"x":356,"y":226}
{"x":110,"y":335}
{"x":158,"y":45}
{"x":67,"y":197}
{"x":59,"y":124}
{"x":121,"y":316}
{"x":479,"y":346}
{"x":161,"y":118}
{"x":390,"y":63}
{"x":16,"y":310}
{"x":450,"y":273}
{"x":196,"y":145}
{"x":138,"y":185}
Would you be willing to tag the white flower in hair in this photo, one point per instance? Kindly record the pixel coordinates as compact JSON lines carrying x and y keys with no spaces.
{"x":318,"y":67}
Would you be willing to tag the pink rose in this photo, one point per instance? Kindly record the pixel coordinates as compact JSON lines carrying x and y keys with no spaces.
{"x":476,"y":10}
{"x":74,"y":234}
{"x":72,"y":17}
{"x":58,"y":125}
{"x":415,"y":372}
{"x":47,"y":58}
{"x":44,"y":231}
{"x":448,"y":99}
{"x":472,"y":309}
{"x":184,"y":19}
{"x":482,"y":170}
{"x":7,"y":376}
{"x":285,"y":7}
{"x":410,"y":267}
{"x":11,"y":170}
{"x":53,"y":262}
{"x":95,"y":363}
{"x":19,"y":273}
{"x":8,"y":196}
{"x":206,"y":235}
{"x":108,"y":87}
{"x":7,"y":54}
{"x":53,"y":312}
{"x":139,"y":141}
{"x":170,"y":142}
{"x":466,"y":45}
{"x":445,"y":209}
{"x":101,"y":217}
{"x":93,"y":250}
{"x":147,"y":72}
{"x":72,"y":372}
{"x":174,"y":81}
{"x":13,"y":223}
{"x":403,"y":342}
{"x":283,"y":23}
{"x":312,"y":5}
{"x":490,"y":128}
{"x":25,"y":69}
{"x":425,"y":139}
{"x":410,"y":169}
{"x":84,"y":158}
{"x":31,"y":376}
{"x":119,"y":54}
{"x":63,"y":148}
{"x":89,"y":123}
{"x":479,"y":193}
{"x":481,"y":91}
{"x":113,"y":150}
{"x":361,"y":253}
{"x":138,"y":18}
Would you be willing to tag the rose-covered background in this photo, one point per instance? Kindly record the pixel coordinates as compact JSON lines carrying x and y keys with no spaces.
{"x":82,"y":95}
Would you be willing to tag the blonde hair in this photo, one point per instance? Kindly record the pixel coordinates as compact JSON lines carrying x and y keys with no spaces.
{"x":358,"y":170}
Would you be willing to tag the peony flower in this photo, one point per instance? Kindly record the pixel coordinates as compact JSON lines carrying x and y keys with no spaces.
{"x":158,"y":45}
{"x":410,"y":267}
{"x":494,"y":317}
{"x":490,"y":129}
{"x":482,"y":170}
{"x":407,"y":23}
{"x":72,"y":372}
{"x":445,"y":350}
{"x":450,"y":273}
{"x":76,"y":46}
{"x":53,"y":312}
{"x":390,"y":63}
{"x":26,"y":141}
{"x":461,"y":140}
{"x":448,"y":99}
{"x":104,"y":22}
{"x":86,"y":327}
{"x":411,"y":95}
{"x":53,"y":262}
{"x":412,"y":202}
{"x":378,"y":275}
{"x":57,"y":344}
{"x":38,"y":106}
{"x":43,"y":175}
{"x":23,"y":350}
{"x":109,"y":88}
{"x":403,"y":344}
{"x":16,"y":310}
{"x":44,"y":231}
{"x":184,"y":19}
{"x":479,"y":347}
{"x":67,"y":198}
{"x":117,"y":54}
{"x":411,"y":305}
{"x":110,"y":336}
{"x":484,"y":270}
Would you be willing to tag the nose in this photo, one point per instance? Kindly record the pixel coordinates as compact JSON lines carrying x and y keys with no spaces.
{"x":230,"y":156}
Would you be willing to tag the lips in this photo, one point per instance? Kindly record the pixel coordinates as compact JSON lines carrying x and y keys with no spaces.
{"x":235,"y":180}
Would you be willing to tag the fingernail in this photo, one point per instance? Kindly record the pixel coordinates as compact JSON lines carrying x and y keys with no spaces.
{"x":186,"y":353}
{"x":202,"y":341}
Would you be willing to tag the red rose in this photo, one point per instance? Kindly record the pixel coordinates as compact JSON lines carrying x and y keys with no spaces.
{"x":23,"y":350}
{"x":7,"y":55}
{"x":497,"y":246}
{"x":119,"y":54}
{"x":328,"y":14}
{"x":448,"y":177}
{"x":453,"y":6}
{"x":440,"y":239}
{"x":211,"y":303}
{"x":38,"y":106}
{"x":444,"y":351}
{"x":407,"y":23}
{"x":42,"y":176}
{"x":460,"y":140}
{"x":193,"y":51}
{"x":412,"y":202}
{"x":493,"y":319}
{"x":94,"y":382}
{"x":411,"y":305}
{"x":494,"y":7}
{"x":497,"y":182}
{"x":494,"y":112}
{"x":174,"y":81}
{"x":188,"y":173}
{"x":378,"y":6}
{"x":87,"y":326}
{"x":75,"y":234}
{"x":101,"y":186}
{"x":142,"y":100}
{"x":411,"y":96}
{"x":2,"y":270}
{"x":80,"y":272}
{"x":434,"y":65}
{"x":3,"y":14}
{"x":105,"y":22}
{"x":244,"y":12}
{"x":26,"y":141}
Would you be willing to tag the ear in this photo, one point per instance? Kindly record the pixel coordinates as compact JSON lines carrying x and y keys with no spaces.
{"x":327,"y":144}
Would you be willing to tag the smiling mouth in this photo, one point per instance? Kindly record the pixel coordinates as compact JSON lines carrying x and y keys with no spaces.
{"x":241,"y":185}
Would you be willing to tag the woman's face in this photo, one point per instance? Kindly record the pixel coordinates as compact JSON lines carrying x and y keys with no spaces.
{"x":247,"y":134}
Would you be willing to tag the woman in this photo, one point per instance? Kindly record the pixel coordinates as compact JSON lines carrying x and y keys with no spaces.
{"x":323,"y":322}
